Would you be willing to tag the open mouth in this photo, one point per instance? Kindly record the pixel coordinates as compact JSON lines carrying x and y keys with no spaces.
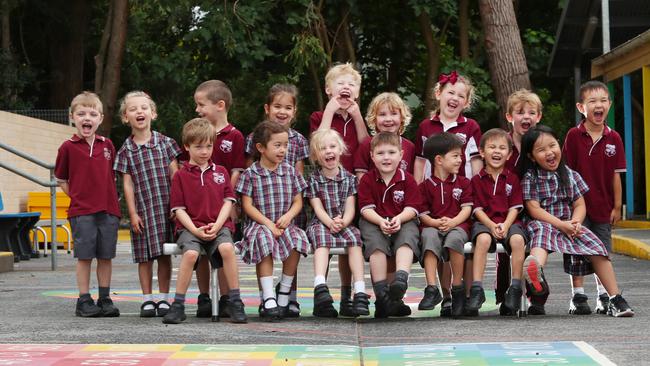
{"x":599,"y":115}
{"x":87,"y":127}
{"x":345,"y":94}
{"x":525,"y":125}
{"x":329,"y":159}
{"x":140,"y":118}
{"x":496,"y":157}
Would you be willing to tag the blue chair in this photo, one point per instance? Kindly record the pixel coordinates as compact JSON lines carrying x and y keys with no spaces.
{"x":14,"y":232}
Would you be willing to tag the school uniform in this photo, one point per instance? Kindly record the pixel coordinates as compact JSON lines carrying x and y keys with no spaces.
{"x":272,"y":193}
{"x":228,"y":150}
{"x":389,"y":200}
{"x":514,"y":162}
{"x":94,"y":211}
{"x":445,"y":198}
{"x":333,"y":194}
{"x":148,"y":166}
{"x":297,"y":150}
{"x":346,"y":128}
{"x":466,"y":129}
{"x":363,"y":162}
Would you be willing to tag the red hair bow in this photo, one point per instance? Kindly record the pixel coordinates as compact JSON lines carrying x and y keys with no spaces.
{"x":452,"y":77}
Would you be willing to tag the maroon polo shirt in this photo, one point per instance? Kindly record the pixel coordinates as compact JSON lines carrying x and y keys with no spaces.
{"x":228,"y":150}
{"x":88,"y":169}
{"x":363,"y":162}
{"x":496,"y":198}
{"x":347,"y":130}
{"x":389,"y":200}
{"x":514,"y":162}
{"x":446,"y":198}
{"x":597,"y":162}
{"x":201,"y":193}
{"x":466,"y":129}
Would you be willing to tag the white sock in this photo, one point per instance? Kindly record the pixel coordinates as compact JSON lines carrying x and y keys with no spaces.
{"x":319,"y":280}
{"x":163,"y":296}
{"x":600,"y":287}
{"x":267,"y":290}
{"x":285,"y":286}
{"x":359,"y":286}
{"x":579,"y":290}
{"x":145,"y":298}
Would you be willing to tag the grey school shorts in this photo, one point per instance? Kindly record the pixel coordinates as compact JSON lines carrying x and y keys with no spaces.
{"x":515,"y":229}
{"x":439,"y":242}
{"x":577,"y":265}
{"x":374,"y":239}
{"x":602,"y":230}
{"x":187,"y":241}
{"x":95,"y":236}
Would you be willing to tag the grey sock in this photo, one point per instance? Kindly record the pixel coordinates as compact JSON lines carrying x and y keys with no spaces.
{"x":234,"y":294}
{"x":179,"y":298}
{"x":104,"y":292}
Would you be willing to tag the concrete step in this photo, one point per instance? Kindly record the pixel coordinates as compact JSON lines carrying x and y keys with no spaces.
{"x":6,"y":262}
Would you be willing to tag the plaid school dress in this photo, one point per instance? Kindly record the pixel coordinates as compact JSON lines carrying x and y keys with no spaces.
{"x":148,"y":165}
{"x":557,"y":201}
{"x":272,"y":193}
{"x":333,"y":193}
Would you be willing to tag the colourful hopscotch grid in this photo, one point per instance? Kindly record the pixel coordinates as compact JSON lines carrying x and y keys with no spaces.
{"x":556,"y":353}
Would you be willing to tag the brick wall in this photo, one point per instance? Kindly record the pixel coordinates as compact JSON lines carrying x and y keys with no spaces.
{"x":35,"y":137}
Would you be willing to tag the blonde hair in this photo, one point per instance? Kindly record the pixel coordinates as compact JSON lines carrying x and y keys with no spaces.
{"x":317,"y":141}
{"x":342,"y":69}
{"x":133,"y":94}
{"x":86,"y":99}
{"x":385,"y":138}
{"x":471,"y":92}
{"x":523,"y":97}
{"x":198,"y":130}
{"x":394,"y":102}
{"x":216,"y":90}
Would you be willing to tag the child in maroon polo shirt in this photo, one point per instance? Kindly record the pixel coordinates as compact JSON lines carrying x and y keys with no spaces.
{"x":497,"y":203}
{"x":202,"y":198}
{"x":596,"y":152}
{"x":84,"y":171}
{"x":389,"y":200}
{"x":448,"y":204}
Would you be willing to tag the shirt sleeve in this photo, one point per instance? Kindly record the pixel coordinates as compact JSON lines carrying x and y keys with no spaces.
{"x":567,"y":151}
{"x":61,"y":166}
{"x":239,"y":159}
{"x":121,"y":161}
{"x":176,"y":197}
{"x":528,"y":188}
{"x":172,"y":150}
{"x":303,"y":147}
{"x":578,"y":185}
{"x":474,"y":140}
{"x":419,"y":141}
{"x":244,"y":185}
{"x":228,"y":192}
{"x":314,"y":121}
{"x":352,"y":185}
{"x":413,"y":198}
{"x":477,"y":197}
{"x":515,"y":200}
{"x":298,"y":182}
{"x":365,"y":193}
{"x":362,"y":159}
{"x":426,"y":200}
{"x":467,"y":195}
{"x":312,"y":188}
{"x":621,"y":164}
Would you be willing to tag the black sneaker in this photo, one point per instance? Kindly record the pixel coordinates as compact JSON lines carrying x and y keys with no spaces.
{"x":602,"y":304}
{"x":536,"y":309}
{"x":360,"y":304}
{"x":505,"y":311}
{"x":237,"y":311}
{"x":87,"y":309}
{"x":457,"y":301}
{"x":618,"y":307}
{"x":398,"y":287}
{"x":346,"y":308}
{"x":323,"y":301}
{"x":204,"y":306}
{"x":148,"y":313}
{"x":398,"y":308}
{"x":445,"y":308}
{"x":108,"y":308}
{"x":535,"y":276}
{"x":224,"y":306}
{"x":382,"y":304}
{"x":162,"y":310}
{"x":578,"y":305}
{"x":476,"y":299}
{"x":512,"y":300}
{"x":431,"y":298}
{"x":176,"y":314}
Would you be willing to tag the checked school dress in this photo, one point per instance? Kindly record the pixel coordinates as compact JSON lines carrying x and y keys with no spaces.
{"x":272,"y":193}
{"x":544,"y":188}
{"x":148,"y":165}
{"x":333,"y":193}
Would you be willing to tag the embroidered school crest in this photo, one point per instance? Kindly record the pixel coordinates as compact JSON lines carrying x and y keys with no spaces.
{"x":403,"y":165}
{"x":107,"y":154}
{"x":462,"y":137}
{"x":508,"y":189}
{"x":398,"y":196}
{"x":456,"y":193}
{"x":218,"y":178}
{"x":226,"y":146}
{"x":610,"y":150}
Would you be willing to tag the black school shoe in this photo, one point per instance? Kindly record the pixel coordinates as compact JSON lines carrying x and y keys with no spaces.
{"x":204,"y":306}
{"x":109,"y":310}
{"x":224,"y":306}
{"x":148,"y":313}
{"x":579,"y":305}
{"x":431,"y":298}
{"x":323,"y":301}
{"x":398,"y":287}
{"x":360,"y":304}
{"x":237,"y":311}
{"x":270,"y":314}
{"x":176,"y":314}
{"x":346,"y":308}
{"x":86,"y":308}
{"x":445,"y":308}
{"x":162,"y":310}
{"x":476,"y":299}
{"x":457,"y":301}
{"x":602,"y":304}
{"x":512,"y":300}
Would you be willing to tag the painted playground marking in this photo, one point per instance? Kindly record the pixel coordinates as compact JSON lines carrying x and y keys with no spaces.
{"x":554,"y":353}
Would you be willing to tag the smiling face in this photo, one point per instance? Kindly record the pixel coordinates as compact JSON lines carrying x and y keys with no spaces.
{"x":329,"y":154}
{"x":452,"y":99}
{"x":595,"y":106}
{"x":275,"y":149}
{"x":386,"y":157}
{"x":496,"y":152}
{"x":546,"y":152}
{"x":388,"y":120}
{"x":86,"y":120}
{"x":451,"y":161}
{"x":345,"y":87}
{"x":206,"y":108}
{"x":138,"y":113}
{"x":282,"y":110}
{"x":523,"y":117}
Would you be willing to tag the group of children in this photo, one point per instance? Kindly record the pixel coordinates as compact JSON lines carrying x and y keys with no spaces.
{"x":382,"y":198}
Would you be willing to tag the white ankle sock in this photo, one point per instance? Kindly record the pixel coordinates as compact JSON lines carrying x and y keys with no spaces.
{"x":319,"y":280}
{"x":145,"y":298}
{"x":579,"y":290}
{"x":267,"y":290}
{"x":359,"y":286}
{"x":285,"y":286}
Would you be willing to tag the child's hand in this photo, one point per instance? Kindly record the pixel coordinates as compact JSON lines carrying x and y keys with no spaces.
{"x":204,"y":234}
{"x":354,"y":110}
{"x":336,"y":224}
{"x":333,"y":105}
{"x":385,"y":226}
{"x":577,"y":227}
{"x":446,"y":224}
{"x":276,"y":231}
{"x":568,"y":228}
{"x":395,"y":224}
{"x":500,"y":231}
{"x":615,"y":216}
{"x":136,"y":224}
{"x":283,"y":222}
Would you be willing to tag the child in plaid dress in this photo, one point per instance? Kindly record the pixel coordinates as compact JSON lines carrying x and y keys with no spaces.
{"x":271,"y":196}
{"x":553,"y":195}
{"x":331,"y":193}
{"x":147,"y":160}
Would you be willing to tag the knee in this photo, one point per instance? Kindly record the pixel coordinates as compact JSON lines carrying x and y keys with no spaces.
{"x":192,"y":255}
{"x":227,"y":251}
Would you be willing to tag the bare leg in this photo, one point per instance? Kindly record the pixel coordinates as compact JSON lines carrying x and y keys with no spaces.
{"x":145,"y":273}
{"x":430,"y":268}
{"x":164,"y":273}
{"x":83,"y":275}
{"x":104,"y":272}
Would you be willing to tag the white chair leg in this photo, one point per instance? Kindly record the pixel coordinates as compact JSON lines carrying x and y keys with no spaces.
{"x":214,"y":294}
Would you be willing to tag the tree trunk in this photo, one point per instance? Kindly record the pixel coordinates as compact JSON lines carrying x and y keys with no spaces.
{"x":505,"y":53}
{"x":6,"y":26}
{"x":345,"y":35}
{"x":318,"y":87}
{"x":109,"y":61}
{"x":463,"y":29}
{"x":433,"y":58}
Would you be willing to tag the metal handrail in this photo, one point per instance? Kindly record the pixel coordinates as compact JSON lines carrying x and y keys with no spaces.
{"x":51,"y":184}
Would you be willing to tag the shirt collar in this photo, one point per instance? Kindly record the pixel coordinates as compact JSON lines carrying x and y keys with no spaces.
{"x":195,"y":168}
{"x":461,"y":119}
{"x":450,"y":179}
{"x":321,"y":178}
{"x":76,"y":138}
{"x":153,"y":141}
{"x":582,"y":128}
{"x":545,"y":174}
{"x":483,"y":173}
{"x":226,"y":129}
{"x":258,"y":169}
{"x":399,"y":176}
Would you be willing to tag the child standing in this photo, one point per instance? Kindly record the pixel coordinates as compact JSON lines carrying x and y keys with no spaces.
{"x":331,"y":192}
{"x":553,"y":195}
{"x":271,"y":198}
{"x":448,"y":205}
{"x":497,"y":204}
{"x":202,"y":199}
{"x":389,"y":200}
{"x":84,"y":171}
{"x":147,"y":160}
{"x":596,"y":152}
